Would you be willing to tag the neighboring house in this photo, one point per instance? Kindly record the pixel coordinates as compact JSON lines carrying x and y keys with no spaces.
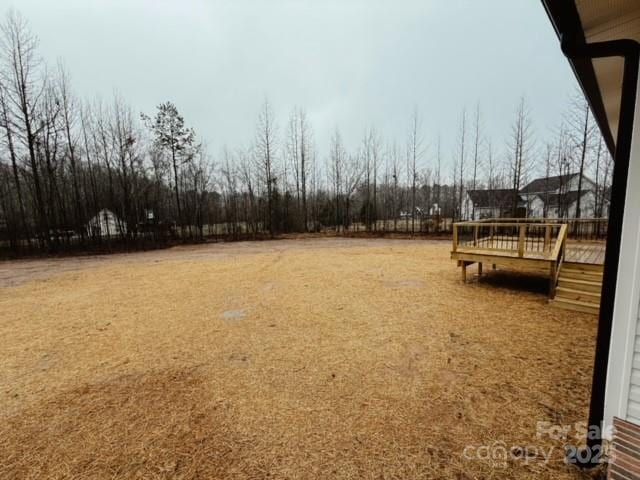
{"x":481,"y":204}
{"x":556,"y":205}
{"x":106,"y":224}
{"x":547,"y":197}
{"x":601,"y":41}
{"x":559,"y":193}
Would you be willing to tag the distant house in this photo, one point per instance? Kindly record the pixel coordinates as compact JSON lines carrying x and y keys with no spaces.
{"x":106,"y":224}
{"x":556,"y":196}
{"x":418,"y":213}
{"x":546,"y":197}
{"x":563,"y":205}
{"x":497,"y":203}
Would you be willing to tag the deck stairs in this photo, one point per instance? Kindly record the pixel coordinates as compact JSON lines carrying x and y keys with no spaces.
{"x":579,"y":287}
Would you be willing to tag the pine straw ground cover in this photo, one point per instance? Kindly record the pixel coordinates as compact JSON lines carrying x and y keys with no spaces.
{"x":289,"y":359}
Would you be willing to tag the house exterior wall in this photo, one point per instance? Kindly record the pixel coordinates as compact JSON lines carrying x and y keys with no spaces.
{"x":622,"y":397}
{"x":536,"y":208}
{"x":587,"y":206}
{"x":572,"y":185}
{"x":528,"y":199}
{"x":467,"y":208}
{"x":481,"y":213}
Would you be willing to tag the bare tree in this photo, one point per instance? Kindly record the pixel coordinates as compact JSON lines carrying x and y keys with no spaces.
{"x":265,"y":145}
{"x":415,"y":151}
{"x":462,"y":131}
{"x":476,"y":153}
{"x":247,"y":180}
{"x":548,"y":166}
{"x":581,"y":132}
{"x":24,"y":88}
{"x":520,"y":145}
{"x":298,"y":152}
{"x":396,"y":173}
{"x":69,"y":114}
{"x":9,"y":135}
{"x":563,"y":161}
{"x":438,"y":178}
{"x":370,"y":160}
{"x":352,"y":173}
{"x":337,"y":160}
{"x":603,"y":166}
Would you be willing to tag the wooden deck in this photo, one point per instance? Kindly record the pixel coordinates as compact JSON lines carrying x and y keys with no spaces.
{"x":539,"y":246}
{"x":585,"y":252}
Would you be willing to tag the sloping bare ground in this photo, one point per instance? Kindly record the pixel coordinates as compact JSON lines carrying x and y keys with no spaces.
{"x":290,"y":359}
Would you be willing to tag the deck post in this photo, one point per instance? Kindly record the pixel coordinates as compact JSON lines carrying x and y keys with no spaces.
{"x":547,"y":237}
{"x":552,"y":280}
{"x":464,"y":272}
{"x":479,"y":269}
{"x":521,"y":240}
{"x":455,"y":237}
{"x":475,"y":236}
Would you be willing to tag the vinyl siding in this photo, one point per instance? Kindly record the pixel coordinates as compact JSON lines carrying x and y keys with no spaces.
{"x":633,"y":405}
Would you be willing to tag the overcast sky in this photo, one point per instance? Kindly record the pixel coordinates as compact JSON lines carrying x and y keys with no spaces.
{"x":349,"y":63}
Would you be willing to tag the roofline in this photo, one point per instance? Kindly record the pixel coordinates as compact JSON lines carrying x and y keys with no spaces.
{"x":566,"y":22}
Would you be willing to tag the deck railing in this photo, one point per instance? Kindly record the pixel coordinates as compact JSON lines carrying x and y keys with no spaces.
{"x":518,"y":238}
{"x":580,"y":229}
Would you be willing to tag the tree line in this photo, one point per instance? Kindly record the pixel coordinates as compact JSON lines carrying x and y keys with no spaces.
{"x":65,"y":163}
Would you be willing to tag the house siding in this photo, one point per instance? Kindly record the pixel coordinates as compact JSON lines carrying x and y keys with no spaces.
{"x":536,"y":208}
{"x":633,"y":403}
{"x":587,"y":206}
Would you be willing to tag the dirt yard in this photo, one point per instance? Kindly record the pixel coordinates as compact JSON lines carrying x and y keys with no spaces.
{"x":327,"y":358}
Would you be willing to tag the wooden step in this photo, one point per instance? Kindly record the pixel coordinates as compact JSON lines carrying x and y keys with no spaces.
{"x":580,"y":295}
{"x":583,"y":285}
{"x":586,"y":267}
{"x":575,"y":305}
{"x":581,"y":274}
